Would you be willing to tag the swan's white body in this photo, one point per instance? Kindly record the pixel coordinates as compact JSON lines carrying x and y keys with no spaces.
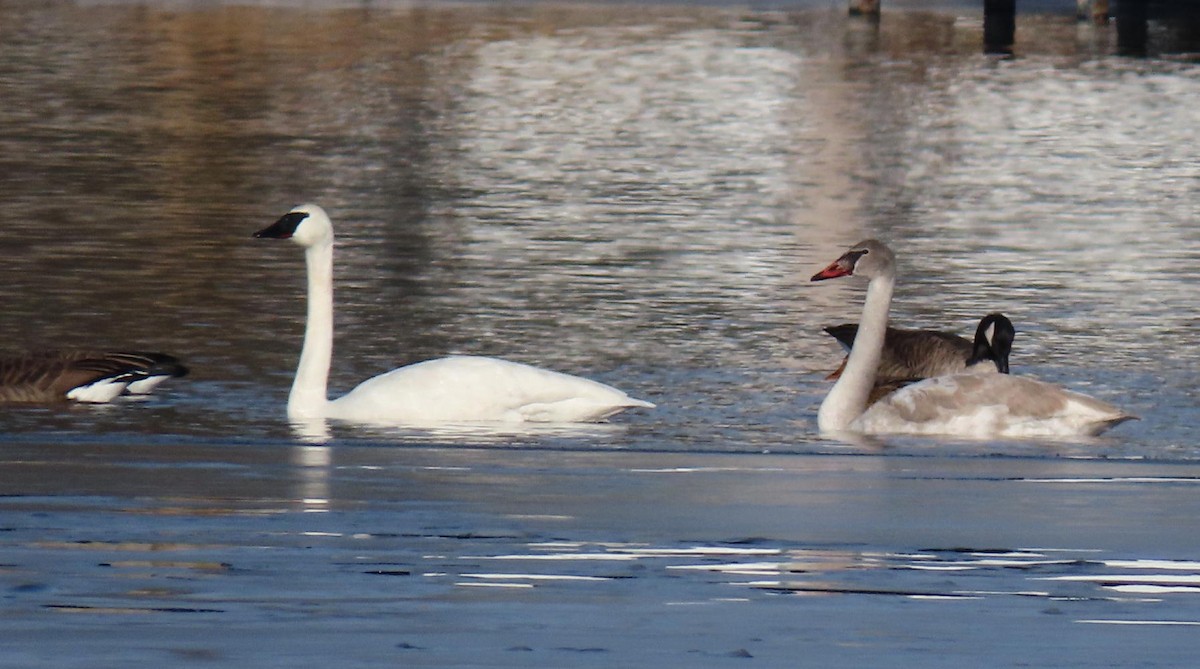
{"x":975,"y":403}
{"x":470,"y":388}
{"x":453,"y":389}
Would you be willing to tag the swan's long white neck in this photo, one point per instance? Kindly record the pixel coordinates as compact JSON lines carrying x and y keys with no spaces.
{"x":847,"y":399}
{"x":309,"y":397}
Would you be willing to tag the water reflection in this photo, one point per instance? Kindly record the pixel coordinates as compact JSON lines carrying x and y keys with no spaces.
{"x":635,"y":194}
{"x":313,"y":465}
{"x":321,"y":431}
{"x":629,"y":194}
{"x":312,"y":430}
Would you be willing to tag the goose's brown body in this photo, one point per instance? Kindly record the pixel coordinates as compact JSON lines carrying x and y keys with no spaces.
{"x":55,"y":376}
{"x":910,"y":354}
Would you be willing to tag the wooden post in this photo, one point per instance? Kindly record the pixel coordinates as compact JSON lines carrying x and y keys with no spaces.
{"x":1132,"y":32}
{"x":999,"y":26}
{"x":864,"y":7}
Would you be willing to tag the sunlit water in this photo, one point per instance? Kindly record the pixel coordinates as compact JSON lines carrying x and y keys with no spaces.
{"x":635,"y":195}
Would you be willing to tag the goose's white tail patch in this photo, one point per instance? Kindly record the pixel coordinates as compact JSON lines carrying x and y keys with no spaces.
{"x":147,"y":385}
{"x":100,"y":391}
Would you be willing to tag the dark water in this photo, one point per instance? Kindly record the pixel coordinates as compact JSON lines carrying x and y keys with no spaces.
{"x":633,"y":194}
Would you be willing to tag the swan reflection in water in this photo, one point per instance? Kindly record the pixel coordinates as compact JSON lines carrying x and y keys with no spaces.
{"x":312,"y":464}
{"x":319,"y":431}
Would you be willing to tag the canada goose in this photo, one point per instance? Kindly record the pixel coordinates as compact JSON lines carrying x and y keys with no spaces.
{"x":83,"y":376}
{"x":919,"y":354}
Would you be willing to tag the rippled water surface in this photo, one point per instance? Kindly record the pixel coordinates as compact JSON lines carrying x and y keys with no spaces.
{"x":638,"y":195}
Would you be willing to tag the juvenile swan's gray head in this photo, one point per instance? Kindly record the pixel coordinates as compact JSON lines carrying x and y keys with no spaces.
{"x":869,"y":258}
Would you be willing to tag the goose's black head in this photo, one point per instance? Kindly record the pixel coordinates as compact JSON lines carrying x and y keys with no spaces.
{"x":993,"y":341}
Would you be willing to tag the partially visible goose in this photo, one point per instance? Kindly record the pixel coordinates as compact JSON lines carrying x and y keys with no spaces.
{"x":444,"y":390}
{"x":968,"y":404}
{"x":989,"y":351}
{"x":83,"y":376}
{"x":920,"y":354}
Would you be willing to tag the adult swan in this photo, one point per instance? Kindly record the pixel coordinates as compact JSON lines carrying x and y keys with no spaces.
{"x":445,"y":390}
{"x":975,"y":403}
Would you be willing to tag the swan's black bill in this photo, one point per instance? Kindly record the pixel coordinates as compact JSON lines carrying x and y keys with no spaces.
{"x":284,"y":228}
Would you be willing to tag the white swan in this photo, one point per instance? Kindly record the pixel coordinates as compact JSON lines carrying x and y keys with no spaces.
{"x":452,"y":389}
{"x":975,"y":403}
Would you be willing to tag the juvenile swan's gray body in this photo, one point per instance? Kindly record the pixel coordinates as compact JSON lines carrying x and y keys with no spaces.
{"x":974,"y":403}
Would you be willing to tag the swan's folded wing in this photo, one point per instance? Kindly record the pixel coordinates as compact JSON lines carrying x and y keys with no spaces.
{"x":984,"y":405}
{"x":882,"y":389}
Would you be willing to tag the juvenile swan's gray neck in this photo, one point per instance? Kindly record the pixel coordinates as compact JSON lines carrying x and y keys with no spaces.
{"x":847,"y":399}
{"x":309,"y":398}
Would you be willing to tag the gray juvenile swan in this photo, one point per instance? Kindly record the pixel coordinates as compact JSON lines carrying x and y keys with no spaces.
{"x":969,"y":404}
{"x":444,"y":390}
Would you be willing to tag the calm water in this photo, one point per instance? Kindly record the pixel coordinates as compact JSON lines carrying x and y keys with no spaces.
{"x":637,"y":195}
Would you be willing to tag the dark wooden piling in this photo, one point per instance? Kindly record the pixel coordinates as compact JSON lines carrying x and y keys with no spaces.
{"x":999,"y":26}
{"x":1132,"y":31}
